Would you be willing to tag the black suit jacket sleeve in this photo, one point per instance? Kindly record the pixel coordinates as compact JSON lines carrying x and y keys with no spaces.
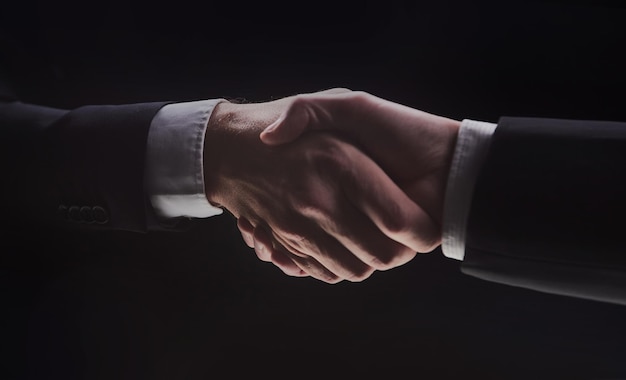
{"x":78,"y":168}
{"x":549,"y":206}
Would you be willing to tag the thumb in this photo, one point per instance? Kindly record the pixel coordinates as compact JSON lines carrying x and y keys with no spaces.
{"x":307,"y":113}
{"x":334,"y":91}
{"x":290,"y":124}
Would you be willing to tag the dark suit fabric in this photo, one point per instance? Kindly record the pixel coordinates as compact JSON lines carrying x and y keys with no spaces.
{"x":81,"y":168}
{"x":549,"y":206}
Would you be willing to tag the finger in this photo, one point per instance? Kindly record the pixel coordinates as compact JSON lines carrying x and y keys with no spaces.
{"x":369,"y":188}
{"x":313,"y":268}
{"x":333,"y":256}
{"x":289,"y":125}
{"x":267,"y":250}
{"x":284,"y":262}
{"x":333,"y":91}
{"x":308,"y":264}
{"x":262,"y":249}
{"x":306,"y":113}
{"x":359,"y":235}
{"x":247,"y":231}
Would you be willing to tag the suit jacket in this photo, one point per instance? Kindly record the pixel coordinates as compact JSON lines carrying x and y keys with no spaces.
{"x":82,"y":168}
{"x":549,"y":206}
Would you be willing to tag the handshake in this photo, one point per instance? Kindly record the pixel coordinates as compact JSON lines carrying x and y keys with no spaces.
{"x":334,"y":184}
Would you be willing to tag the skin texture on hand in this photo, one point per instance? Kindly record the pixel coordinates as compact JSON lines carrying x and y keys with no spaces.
{"x":317,"y":206}
{"x":413,"y":147}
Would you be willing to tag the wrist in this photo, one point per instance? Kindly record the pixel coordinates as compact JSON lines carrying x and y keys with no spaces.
{"x":231,"y":145}
{"x":453,"y":127}
{"x":213,"y":151}
{"x":449,"y":129}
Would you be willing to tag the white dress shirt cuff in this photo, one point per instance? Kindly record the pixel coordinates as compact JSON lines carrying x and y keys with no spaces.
{"x":470,"y":151}
{"x":174,"y":160}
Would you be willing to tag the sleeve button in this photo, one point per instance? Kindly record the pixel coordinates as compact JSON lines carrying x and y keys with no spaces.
{"x":100,"y":215}
{"x":86,"y":214}
{"x":74,"y":214}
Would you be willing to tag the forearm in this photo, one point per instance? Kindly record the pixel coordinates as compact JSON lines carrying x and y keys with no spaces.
{"x":548,"y":206}
{"x":68,"y":166}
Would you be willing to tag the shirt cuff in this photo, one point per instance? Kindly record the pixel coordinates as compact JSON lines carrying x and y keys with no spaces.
{"x":174,"y":161}
{"x":470,"y":152}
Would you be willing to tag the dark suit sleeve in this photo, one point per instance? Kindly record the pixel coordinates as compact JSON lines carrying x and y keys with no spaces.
{"x":549,"y":207}
{"x":82,"y":168}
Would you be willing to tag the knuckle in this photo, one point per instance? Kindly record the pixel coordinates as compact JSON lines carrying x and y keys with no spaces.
{"x":262,"y":252}
{"x":323,"y":274}
{"x":396,"y":220}
{"x":299,"y":109}
{"x":300,"y":242}
{"x":404,"y":223}
{"x":381,"y":264}
{"x":299,"y":100}
{"x":332,"y":279}
{"x":261,"y":256}
{"x":402,"y":258}
{"x":430,"y":242}
{"x":428,"y":235}
{"x":361,"y":276}
{"x":286,"y":269}
{"x":360,"y":96}
{"x":341,"y":90}
{"x":316,"y":209}
{"x":399,"y":257}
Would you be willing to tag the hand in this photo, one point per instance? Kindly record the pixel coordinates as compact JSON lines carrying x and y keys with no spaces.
{"x":413,"y":147}
{"x":318,"y":206}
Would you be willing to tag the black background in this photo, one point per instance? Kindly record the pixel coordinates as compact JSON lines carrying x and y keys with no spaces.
{"x":199,"y":304}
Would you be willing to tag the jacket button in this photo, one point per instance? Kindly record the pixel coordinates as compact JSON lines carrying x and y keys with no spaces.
{"x":74,"y":213}
{"x":86,"y":214}
{"x":100,"y":215}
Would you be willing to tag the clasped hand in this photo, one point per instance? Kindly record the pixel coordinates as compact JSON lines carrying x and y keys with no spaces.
{"x":335,"y":184}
